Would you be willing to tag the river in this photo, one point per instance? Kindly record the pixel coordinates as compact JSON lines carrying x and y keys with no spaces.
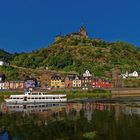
{"x":119,"y":120}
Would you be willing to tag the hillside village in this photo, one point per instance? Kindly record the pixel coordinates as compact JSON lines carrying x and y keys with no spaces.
{"x":73,"y":54}
{"x":86,"y":81}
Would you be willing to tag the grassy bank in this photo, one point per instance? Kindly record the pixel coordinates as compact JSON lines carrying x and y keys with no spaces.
{"x":88,"y":95}
{"x":2,"y":94}
{"x":80,"y":94}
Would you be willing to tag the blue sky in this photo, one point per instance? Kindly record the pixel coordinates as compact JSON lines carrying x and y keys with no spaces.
{"x":26,"y":25}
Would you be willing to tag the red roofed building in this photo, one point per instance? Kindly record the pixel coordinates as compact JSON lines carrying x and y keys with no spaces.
{"x":101,"y":83}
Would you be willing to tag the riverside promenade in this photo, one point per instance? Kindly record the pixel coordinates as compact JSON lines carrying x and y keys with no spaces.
{"x":125,"y":92}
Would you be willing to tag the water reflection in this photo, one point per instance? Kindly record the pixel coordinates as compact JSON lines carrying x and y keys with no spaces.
{"x":69,"y":121}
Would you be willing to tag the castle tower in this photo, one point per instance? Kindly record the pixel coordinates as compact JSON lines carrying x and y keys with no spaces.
{"x":83,"y":32}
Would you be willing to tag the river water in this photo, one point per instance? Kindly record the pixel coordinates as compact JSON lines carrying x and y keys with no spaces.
{"x":119,"y":120}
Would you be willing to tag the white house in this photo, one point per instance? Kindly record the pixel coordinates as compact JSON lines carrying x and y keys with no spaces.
{"x":4,"y":85}
{"x":76,"y":83}
{"x":133,"y":74}
{"x":3,"y":63}
{"x":87,"y":74}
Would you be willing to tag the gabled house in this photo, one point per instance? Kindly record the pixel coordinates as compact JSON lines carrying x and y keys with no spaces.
{"x":133,"y":75}
{"x":76,"y":83}
{"x":56,"y":82}
{"x":69,"y":81}
{"x":87,"y":74}
{"x":86,"y":80}
{"x":86,"y":83}
{"x":4,"y":85}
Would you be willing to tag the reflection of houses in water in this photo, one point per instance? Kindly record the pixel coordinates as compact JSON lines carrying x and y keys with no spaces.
{"x":71,"y":110}
{"x":130,"y":110}
{"x":91,"y":107}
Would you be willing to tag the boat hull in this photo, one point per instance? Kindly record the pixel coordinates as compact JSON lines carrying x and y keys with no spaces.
{"x":36,"y":99}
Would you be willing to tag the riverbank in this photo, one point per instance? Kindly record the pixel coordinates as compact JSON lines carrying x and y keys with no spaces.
{"x":88,"y":95}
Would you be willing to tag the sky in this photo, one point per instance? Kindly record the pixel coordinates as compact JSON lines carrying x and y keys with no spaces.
{"x":27,"y":25}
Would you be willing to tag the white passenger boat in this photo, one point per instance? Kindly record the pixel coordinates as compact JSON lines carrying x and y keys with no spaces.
{"x":36,"y":97}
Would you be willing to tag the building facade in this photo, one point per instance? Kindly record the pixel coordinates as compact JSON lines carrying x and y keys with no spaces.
{"x":101,"y":83}
{"x":30,"y":83}
{"x":16,"y":85}
{"x":86,"y":80}
{"x":69,"y":81}
{"x":56,"y":82}
{"x":132,"y":75}
{"x":4,"y":85}
{"x":76,"y":83}
{"x":86,"y":83}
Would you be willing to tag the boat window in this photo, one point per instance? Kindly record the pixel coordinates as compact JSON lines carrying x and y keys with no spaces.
{"x":21,"y":98}
{"x":34,"y":93}
{"x":46,"y":97}
{"x":53,"y":97}
{"x":43,"y":97}
{"x":39,"y":97}
{"x":32,"y":97}
{"x":28,"y":97}
{"x":36,"y":98}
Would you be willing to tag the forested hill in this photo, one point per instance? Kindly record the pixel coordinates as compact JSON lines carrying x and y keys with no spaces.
{"x":74,"y":53}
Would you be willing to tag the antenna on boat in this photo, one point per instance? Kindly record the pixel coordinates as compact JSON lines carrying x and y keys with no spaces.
{"x":30,"y":89}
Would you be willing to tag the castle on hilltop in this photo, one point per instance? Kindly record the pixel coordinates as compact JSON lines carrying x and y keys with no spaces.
{"x":82,"y":34}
